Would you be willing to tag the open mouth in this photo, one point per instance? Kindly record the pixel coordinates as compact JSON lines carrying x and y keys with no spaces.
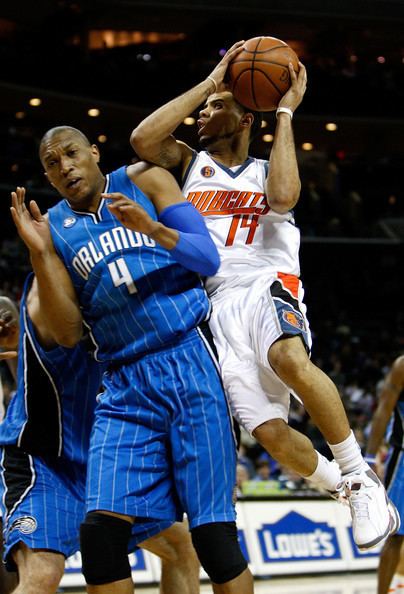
{"x":200,"y":124}
{"x":73,"y":183}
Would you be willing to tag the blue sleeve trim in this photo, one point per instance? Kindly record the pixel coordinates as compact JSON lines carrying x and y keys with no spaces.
{"x":195,"y":249}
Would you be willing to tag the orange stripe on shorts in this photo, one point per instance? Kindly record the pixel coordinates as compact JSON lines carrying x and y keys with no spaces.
{"x":290,"y":282}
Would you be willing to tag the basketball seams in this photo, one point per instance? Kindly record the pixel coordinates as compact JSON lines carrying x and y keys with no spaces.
{"x":252,"y":74}
{"x":260,"y":75}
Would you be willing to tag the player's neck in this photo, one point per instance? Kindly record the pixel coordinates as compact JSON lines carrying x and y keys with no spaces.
{"x":228,"y":156}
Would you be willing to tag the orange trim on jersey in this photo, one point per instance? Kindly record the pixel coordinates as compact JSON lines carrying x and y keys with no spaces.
{"x":290,"y":282}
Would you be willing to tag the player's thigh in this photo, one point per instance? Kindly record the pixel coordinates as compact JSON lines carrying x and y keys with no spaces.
{"x":128,"y":472}
{"x":203,"y":443}
{"x":256,"y":394}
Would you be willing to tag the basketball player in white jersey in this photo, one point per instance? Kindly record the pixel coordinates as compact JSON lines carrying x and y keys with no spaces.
{"x":258,"y":320}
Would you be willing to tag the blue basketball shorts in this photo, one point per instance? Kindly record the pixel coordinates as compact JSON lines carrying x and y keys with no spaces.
{"x":395,"y":482}
{"x":43,"y":504}
{"x":163,"y":442}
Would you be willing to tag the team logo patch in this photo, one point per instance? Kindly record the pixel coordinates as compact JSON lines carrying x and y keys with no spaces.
{"x":69,"y":222}
{"x":207,"y":171}
{"x":294,"y":319}
{"x":26,"y":525}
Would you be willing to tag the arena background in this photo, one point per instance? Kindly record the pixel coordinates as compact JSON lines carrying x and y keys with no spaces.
{"x":60,"y":59}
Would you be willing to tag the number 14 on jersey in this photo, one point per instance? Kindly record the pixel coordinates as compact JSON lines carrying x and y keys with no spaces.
{"x":242,"y":222}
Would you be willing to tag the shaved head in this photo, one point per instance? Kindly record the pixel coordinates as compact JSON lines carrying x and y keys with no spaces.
{"x":60,"y":130}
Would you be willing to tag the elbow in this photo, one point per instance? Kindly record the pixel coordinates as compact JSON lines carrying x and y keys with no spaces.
{"x":138,"y":141}
{"x":284,"y":201}
{"x":282,"y":206}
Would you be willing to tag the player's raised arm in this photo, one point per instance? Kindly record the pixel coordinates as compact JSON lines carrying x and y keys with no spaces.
{"x":56,"y":293}
{"x":153,"y":138}
{"x":179,"y":228}
{"x":283,"y":183}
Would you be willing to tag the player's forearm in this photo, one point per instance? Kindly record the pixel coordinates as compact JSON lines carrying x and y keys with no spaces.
{"x":58,"y":302}
{"x":149,"y":137}
{"x":379,"y":424}
{"x":283,"y":184}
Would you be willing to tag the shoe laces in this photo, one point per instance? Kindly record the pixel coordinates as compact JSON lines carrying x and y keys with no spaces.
{"x":357,"y":494}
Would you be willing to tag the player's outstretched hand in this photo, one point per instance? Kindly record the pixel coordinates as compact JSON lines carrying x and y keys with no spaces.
{"x":130,"y":214}
{"x":9,"y":326}
{"x":294,"y":96}
{"x":219,"y":72}
{"x":32,"y":226}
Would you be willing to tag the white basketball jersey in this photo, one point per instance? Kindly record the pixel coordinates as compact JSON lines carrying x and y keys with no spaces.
{"x":251,"y":238}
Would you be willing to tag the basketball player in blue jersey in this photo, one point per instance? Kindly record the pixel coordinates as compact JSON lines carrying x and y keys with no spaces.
{"x":162,"y":441}
{"x":9,"y":329}
{"x":258,"y":316}
{"x":390,"y":408}
{"x":43,"y":482}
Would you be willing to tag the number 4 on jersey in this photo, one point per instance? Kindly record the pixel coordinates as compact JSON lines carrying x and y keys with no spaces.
{"x":121,"y":276}
{"x":244,"y":222}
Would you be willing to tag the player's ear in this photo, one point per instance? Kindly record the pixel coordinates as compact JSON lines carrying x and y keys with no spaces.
{"x":95,"y":152}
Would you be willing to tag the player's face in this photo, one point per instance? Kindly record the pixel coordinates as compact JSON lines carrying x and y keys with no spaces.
{"x":71,"y":166}
{"x":219,"y":119}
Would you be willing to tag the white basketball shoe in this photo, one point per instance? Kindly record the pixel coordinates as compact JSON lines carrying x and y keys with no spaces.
{"x":374,"y":516}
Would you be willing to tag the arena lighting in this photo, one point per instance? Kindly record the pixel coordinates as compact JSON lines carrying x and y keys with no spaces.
{"x":331,"y":126}
{"x":102,"y":138}
{"x":307,"y":146}
{"x":35,"y":102}
{"x":93,"y":112}
{"x":189,"y":121}
{"x":20,"y":115}
{"x":264,"y":124}
{"x":267,"y":138}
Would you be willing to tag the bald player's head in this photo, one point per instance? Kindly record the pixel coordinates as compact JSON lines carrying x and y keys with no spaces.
{"x":58,"y":130}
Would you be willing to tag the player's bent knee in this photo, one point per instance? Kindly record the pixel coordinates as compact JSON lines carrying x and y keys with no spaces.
{"x":104,"y":548}
{"x":219,"y":551}
{"x":289,"y":356}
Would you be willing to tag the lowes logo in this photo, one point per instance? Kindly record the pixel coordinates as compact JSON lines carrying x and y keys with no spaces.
{"x":297,"y":538}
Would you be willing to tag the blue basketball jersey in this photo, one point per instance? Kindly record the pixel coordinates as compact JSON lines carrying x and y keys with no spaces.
{"x":134,"y":296}
{"x":395,"y":431}
{"x":52,"y":411}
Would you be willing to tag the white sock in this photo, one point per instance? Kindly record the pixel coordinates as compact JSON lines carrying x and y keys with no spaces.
{"x":348,"y":455}
{"x":326,"y":475}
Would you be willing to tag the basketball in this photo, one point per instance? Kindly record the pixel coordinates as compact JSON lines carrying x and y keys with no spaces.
{"x":259,"y":74}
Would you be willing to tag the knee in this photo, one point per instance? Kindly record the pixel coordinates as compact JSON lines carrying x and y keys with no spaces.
{"x":174,"y":545}
{"x":219,"y":551}
{"x":273,"y":435}
{"x":104,"y":543}
{"x":289,"y":358}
